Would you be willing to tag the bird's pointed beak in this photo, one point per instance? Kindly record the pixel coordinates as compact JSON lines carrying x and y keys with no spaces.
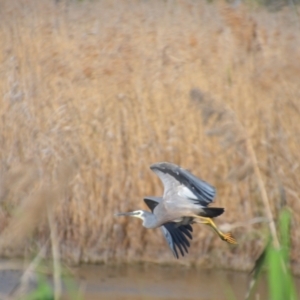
{"x":131,"y":213}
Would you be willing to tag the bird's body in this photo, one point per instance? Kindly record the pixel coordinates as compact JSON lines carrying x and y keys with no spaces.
{"x":180,"y":214}
{"x":159,"y":214}
{"x":185,"y":201}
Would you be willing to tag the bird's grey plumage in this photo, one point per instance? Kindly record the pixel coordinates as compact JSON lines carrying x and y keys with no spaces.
{"x":174,"y":233}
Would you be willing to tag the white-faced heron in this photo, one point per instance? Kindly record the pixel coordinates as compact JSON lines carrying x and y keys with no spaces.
{"x":185,"y":201}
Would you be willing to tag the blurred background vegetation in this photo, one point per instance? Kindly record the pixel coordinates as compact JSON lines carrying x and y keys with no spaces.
{"x":93,"y":92}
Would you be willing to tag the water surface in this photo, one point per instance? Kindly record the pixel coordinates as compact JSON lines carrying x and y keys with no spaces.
{"x":149,"y":281}
{"x":157,"y":282}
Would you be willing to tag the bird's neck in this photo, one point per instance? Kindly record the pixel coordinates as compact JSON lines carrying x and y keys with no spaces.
{"x":150,"y":221}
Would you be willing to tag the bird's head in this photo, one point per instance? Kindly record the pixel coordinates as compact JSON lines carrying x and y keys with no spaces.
{"x":137,"y":214}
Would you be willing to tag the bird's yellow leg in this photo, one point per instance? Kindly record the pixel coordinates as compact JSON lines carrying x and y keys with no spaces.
{"x":227,"y":237}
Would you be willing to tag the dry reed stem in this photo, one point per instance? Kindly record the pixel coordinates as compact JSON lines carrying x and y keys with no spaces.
{"x":22,"y":287}
{"x":55,"y":256}
{"x":264,"y":196}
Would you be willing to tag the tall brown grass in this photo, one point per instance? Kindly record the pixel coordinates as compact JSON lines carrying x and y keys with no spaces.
{"x":104,"y":87}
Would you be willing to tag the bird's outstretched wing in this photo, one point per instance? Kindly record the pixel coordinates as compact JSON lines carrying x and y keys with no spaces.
{"x":177,"y":237}
{"x":183,"y":183}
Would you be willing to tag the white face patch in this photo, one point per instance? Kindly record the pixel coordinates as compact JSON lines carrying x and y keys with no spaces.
{"x":138,"y":214}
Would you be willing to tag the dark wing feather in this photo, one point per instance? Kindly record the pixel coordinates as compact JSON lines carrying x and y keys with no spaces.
{"x":178,"y":241}
{"x":152,"y":201}
{"x":176,"y":237}
{"x":187,"y":229}
{"x":203,"y":190}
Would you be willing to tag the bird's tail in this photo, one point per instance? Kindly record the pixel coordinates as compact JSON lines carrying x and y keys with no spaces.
{"x":211,"y":212}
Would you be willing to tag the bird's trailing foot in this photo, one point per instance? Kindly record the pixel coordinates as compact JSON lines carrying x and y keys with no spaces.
{"x":227,"y":237}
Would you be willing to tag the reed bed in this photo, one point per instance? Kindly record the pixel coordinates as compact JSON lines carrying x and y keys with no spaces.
{"x":94,"y":92}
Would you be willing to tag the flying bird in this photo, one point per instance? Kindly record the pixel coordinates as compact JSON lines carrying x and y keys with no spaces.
{"x":185,"y":201}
